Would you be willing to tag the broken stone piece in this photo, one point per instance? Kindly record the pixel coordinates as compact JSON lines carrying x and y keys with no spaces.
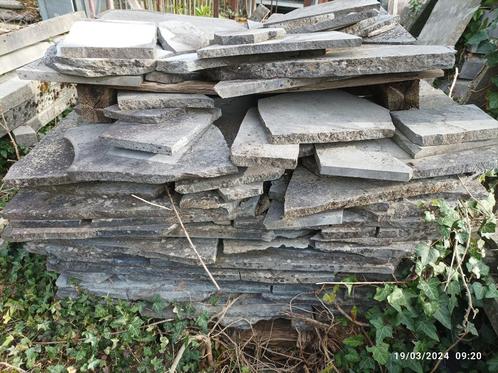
{"x":151,"y":100}
{"x":250,"y":36}
{"x":243,"y":191}
{"x":181,"y":37}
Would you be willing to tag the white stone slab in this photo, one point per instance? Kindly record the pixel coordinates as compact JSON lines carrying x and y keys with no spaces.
{"x":21,"y":57}
{"x":181,"y":37}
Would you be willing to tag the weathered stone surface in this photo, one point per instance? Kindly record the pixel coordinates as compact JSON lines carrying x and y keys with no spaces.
{"x":446,"y":125}
{"x":430,"y":97}
{"x":11,"y":4}
{"x":278,"y":188}
{"x":209,"y":157}
{"x":37,"y":70}
{"x":238,"y":192}
{"x":252,"y":148}
{"x":190,"y":62}
{"x":25,"y":136}
{"x":396,"y":35}
{"x":275,"y":218}
{"x":242,"y":246}
{"x":205,"y":200}
{"x":372,"y":26}
{"x":376,"y":159}
{"x":448,"y":21}
{"x":347,"y":62}
{"x":417,"y":151}
{"x":248,"y":208}
{"x":235,"y":88}
{"x":181,"y":37}
{"x":146,"y":116}
{"x":290,"y":43}
{"x":323,"y":117}
{"x":255,"y":35}
{"x":97,"y":67}
{"x":47,"y":163}
{"x":173,"y":139}
{"x":259,"y":14}
{"x":310,"y":194}
{"x":150,"y":100}
{"x":245,"y":176}
{"x":165,"y":78}
{"x":110,"y":39}
{"x":392,"y":251}
{"x":325,"y":16}
{"x":105,"y":189}
{"x":12,"y":61}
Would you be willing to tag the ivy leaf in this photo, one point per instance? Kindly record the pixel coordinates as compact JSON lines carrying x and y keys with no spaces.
{"x":380,"y":353}
{"x":443,"y":313}
{"x":477,"y":267}
{"x":479,"y":290}
{"x":428,"y":255}
{"x":406,"y":320}
{"x":493,"y":363}
{"x":478,"y":37}
{"x":354,"y":341}
{"x":491,"y":291}
{"x":430,"y":288}
{"x":488,"y":228}
{"x":492,"y":99}
{"x":400,"y":297}
{"x":428,"y":328}
{"x":412,"y":364}
{"x":382,"y":330}
{"x":381,"y":293}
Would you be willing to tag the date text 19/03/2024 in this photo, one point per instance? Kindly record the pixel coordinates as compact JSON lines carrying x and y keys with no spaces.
{"x":437,"y":355}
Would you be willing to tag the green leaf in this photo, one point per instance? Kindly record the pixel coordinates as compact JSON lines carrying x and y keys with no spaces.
{"x":491,"y":291}
{"x":428,"y":255}
{"x":430,"y":287}
{"x":493,"y":363}
{"x":478,"y":37}
{"x":399,"y":298}
{"x":412,"y":364}
{"x":354,"y":341}
{"x":380,"y":353}
{"x":479,"y":290}
{"x":443,"y":313}
{"x":428,"y":328}
{"x":382,"y":330}
{"x":381,"y":293}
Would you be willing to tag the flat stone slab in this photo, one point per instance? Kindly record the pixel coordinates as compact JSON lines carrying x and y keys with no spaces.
{"x":323,"y":117}
{"x":255,"y":35}
{"x":47,"y":163}
{"x":146,"y":116}
{"x":372,"y":26}
{"x":309,"y":194}
{"x":243,"y":191}
{"x":392,"y":251}
{"x":245,"y":176}
{"x":431,"y":97}
{"x":417,"y":151}
{"x":326,"y":16}
{"x":243,"y":246}
{"x":204,"y":200}
{"x":376,"y":159}
{"x":150,"y":100}
{"x":105,"y":189}
{"x":290,"y":43}
{"x":181,"y":37}
{"x":159,"y":138}
{"x":110,"y":39}
{"x":450,"y":124}
{"x":275,"y":219}
{"x":396,"y":35}
{"x":346,"y":62}
{"x":37,"y":70}
{"x":208,"y":158}
{"x":252,"y":148}
{"x":165,"y":78}
{"x":278,"y":188}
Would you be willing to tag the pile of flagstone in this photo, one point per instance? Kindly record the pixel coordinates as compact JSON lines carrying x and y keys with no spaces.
{"x":277,"y":192}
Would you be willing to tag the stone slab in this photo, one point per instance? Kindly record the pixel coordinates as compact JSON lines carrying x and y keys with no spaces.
{"x":181,"y":37}
{"x":40,"y":31}
{"x":21,"y":57}
{"x":110,"y":39}
{"x":250,"y":36}
{"x":396,"y":35}
{"x":446,"y":125}
{"x":243,"y":191}
{"x":159,"y":138}
{"x":275,"y":219}
{"x":309,"y":194}
{"x":244,"y":176}
{"x":204,"y":200}
{"x":376,"y":159}
{"x":323,"y":117}
{"x":325,"y":16}
{"x":146,"y":116}
{"x":372,"y":26}
{"x":393,"y":251}
{"x":47,"y":163}
{"x":150,"y":100}
{"x":165,"y":78}
{"x":25,"y":136}
{"x":241,"y":246}
{"x":248,"y":208}
{"x":430,"y":97}
{"x":37,"y":70}
{"x":346,"y":62}
{"x":207,"y":158}
{"x":252,"y":148}
{"x":417,"y":151}
{"x":11,"y":4}
{"x":278,"y":188}
{"x":105,"y":189}
{"x":289,"y":43}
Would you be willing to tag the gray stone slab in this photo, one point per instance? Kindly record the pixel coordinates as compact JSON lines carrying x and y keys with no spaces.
{"x":309,"y":194}
{"x":209,"y":157}
{"x":146,"y":116}
{"x":446,"y":125}
{"x":243,"y":191}
{"x":244,"y":176}
{"x":396,"y":35}
{"x":121,"y":153}
{"x":417,"y":151}
{"x":372,"y":26}
{"x":255,"y":35}
{"x":275,"y":219}
{"x":171,"y":139}
{"x":323,"y":117}
{"x":181,"y":37}
{"x":241,"y":246}
{"x":205,"y":200}
{"x":235,"y":88}
{"x":248,"y":208}
{"x":376,"y":159}
{"x":97,"y":67}
{"x":252,"y":148}
{"x":448,"y":21}
{"x":11,"y":4}
{"x":290,"y":43}
{"x":347,"y":62}
{"x":151,"y":100}
{"x":37,"y":70}
{"x":25,"y":136}
{"x":431,"y":97}
{"x":165,"y":78}
{"x":47,"y":163}
{"x":394,"y":251}
{"x":14,"y":60}
{"x":278,"y":188}
{"x":110,"y":39}
{"x":326,"y":16}
{"x":105,"y":189}
{"x":190,"y":62}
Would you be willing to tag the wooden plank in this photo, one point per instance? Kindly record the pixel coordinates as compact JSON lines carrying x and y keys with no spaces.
{"x":37,"y":32}
{"x":191,"y":86}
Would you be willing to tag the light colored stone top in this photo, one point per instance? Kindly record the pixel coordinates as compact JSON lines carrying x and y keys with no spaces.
{"x":152,"y":100}
{"x":256,"y":35}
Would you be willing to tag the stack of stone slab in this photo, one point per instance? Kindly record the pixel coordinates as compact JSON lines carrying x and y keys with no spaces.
{"x":26,"y":106}
{"x":283,"y":191}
